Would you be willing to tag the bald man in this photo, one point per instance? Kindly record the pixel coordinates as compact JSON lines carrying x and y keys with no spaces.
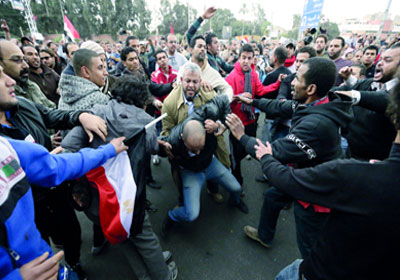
{"x":194,"y":149}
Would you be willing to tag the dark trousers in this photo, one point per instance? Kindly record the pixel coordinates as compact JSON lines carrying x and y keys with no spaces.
{"x":238,"y":152}
{"x":274,"y":201}
{"x":56,"y":219}
{"x":309,"y":225}
{"x":308,"y":222}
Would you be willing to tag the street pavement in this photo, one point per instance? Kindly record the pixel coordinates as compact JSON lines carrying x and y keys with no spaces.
{"x":214,"y":246}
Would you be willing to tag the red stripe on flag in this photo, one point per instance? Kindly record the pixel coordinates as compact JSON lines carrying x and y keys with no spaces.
{"x":109,"y":209}
{"x":71,"y":28}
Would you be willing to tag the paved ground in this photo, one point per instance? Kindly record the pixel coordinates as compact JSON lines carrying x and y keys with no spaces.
{"x":214,"y":246}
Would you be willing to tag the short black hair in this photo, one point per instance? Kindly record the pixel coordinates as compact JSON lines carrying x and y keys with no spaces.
{"x":194,"y":39}
{"x":131,"y":90}
{"x":281,"y":54}
{"x":65,"y":46}
{"x":393,"y":109}
{"x":363,"y":69}
{"x":158,"y":51}
{"x":343,"y":42}
{"x":125,"y":52}
{"x":323,"y":36}
{"x":209,"y":38}
{"x":48,"y":51}
{"x":26,"y":45}
{"x":83,"y":57}
{"x":246,"y":48}
{"x":130,"y":38}
{"x":371,"y":47}
{"x":321,"y":72}
{"x":307,"y":49}
{"x":49,"y":44}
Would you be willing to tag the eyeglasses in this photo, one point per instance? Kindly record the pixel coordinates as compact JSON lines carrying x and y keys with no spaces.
{"x":17,"y":60}
{"x":45,"y":57}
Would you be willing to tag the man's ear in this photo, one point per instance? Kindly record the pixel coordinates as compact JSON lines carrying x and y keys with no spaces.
{"x":85,"y":72}
{"x":311,"y":89}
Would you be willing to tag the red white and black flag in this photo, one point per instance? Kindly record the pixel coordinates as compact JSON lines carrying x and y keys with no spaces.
{"x":70,"y":32}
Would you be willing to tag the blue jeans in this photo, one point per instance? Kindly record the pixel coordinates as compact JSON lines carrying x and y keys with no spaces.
{"x":291,"y":272}
{"x":193,"y":182}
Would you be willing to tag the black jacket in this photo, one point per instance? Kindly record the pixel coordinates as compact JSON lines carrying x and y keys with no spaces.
{"x":360,"y":240}
{"x":217,"y":109}
{"x":35,"y":119}
{"x":371,"y":133}
{"x":273,"y":77}
{"x":314,"y":136}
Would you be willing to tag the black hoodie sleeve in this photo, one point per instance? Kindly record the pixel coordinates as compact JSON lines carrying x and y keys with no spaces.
{"x":275,"y":108}
{"x":159,"y":90}
{"x":59,"y":119}
{"x":376,"y":101}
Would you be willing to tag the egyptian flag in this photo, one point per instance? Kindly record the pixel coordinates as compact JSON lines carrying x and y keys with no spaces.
{"x":69,"y":30}
{"x":117,"y":193}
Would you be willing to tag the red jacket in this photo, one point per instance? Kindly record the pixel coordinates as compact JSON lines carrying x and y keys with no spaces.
{"x":159,"y":77}
{"x":236,"y":81}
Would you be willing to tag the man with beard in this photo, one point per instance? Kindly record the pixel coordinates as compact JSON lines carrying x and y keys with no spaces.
{"x":335,"y":52}
{"x":21,"y":119}
{"x":320,"y":45}
{"x":371,"y":133}
{"x":212,"y":77}
{"x":314,"y":138}
{"x":13,"y":62}
{"x":43,"y":76}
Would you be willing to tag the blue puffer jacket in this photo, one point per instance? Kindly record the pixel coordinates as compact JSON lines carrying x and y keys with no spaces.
{"x":22,"y":163}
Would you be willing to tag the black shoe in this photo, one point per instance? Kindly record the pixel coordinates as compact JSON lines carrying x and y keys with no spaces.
{"x":150,"y":206}
{"x":262,"y":179}
{"x":167,"y":224}
{"x":77,"y":268}
{"x":153,"y":184}
{"x":242,"y":207}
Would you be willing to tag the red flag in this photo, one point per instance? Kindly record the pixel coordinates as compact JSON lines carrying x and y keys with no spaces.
{"x":172,"y":29}
{"x":69,"y":29}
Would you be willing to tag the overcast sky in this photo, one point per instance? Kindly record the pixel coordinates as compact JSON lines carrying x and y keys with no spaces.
{"x":281,"y":12}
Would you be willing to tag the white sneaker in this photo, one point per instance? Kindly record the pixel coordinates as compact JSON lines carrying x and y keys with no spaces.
{"x":174,"y":270}
{"x":156,"y":160}
{"x":248,"y":157}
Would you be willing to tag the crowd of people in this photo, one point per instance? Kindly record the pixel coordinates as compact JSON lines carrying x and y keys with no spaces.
{"x":78,"y":115}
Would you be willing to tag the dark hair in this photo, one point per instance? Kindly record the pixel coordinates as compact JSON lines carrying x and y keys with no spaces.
{"x":281,"y":54}
{"x":323,"y":36}
{"x":158,"y":51}
{"x":49,"y":44}
{"x":371,"y":47}
{"x":322,"y":73}
{"x":130,"y":38}
{"x":125,"y":52}
{"x":363,"y":69}
{"x":209,"y":38}
{"x":246,"y":48}
{"x":395,"y":45}
{"x":194,"y":39}
{"x":341,"y":39}
{"x":83,"y":57}
{"x":26,"y":45}
{"x":48,"y":51}
{"x":131,"y":90}
{"x":307,"y":49}
{"x":393,"y":109}
{"x":65,"y":46}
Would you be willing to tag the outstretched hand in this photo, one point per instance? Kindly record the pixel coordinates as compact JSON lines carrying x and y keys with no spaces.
{"x":42,"y":267}
{"x":93,"y":124}
{"x":209,"y":13}
{"x":235,"y":125}
{"x":262,"y":150}
{"x":119,"y":145}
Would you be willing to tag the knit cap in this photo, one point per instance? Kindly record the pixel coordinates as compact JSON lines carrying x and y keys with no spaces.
{"x":93,"y":46}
